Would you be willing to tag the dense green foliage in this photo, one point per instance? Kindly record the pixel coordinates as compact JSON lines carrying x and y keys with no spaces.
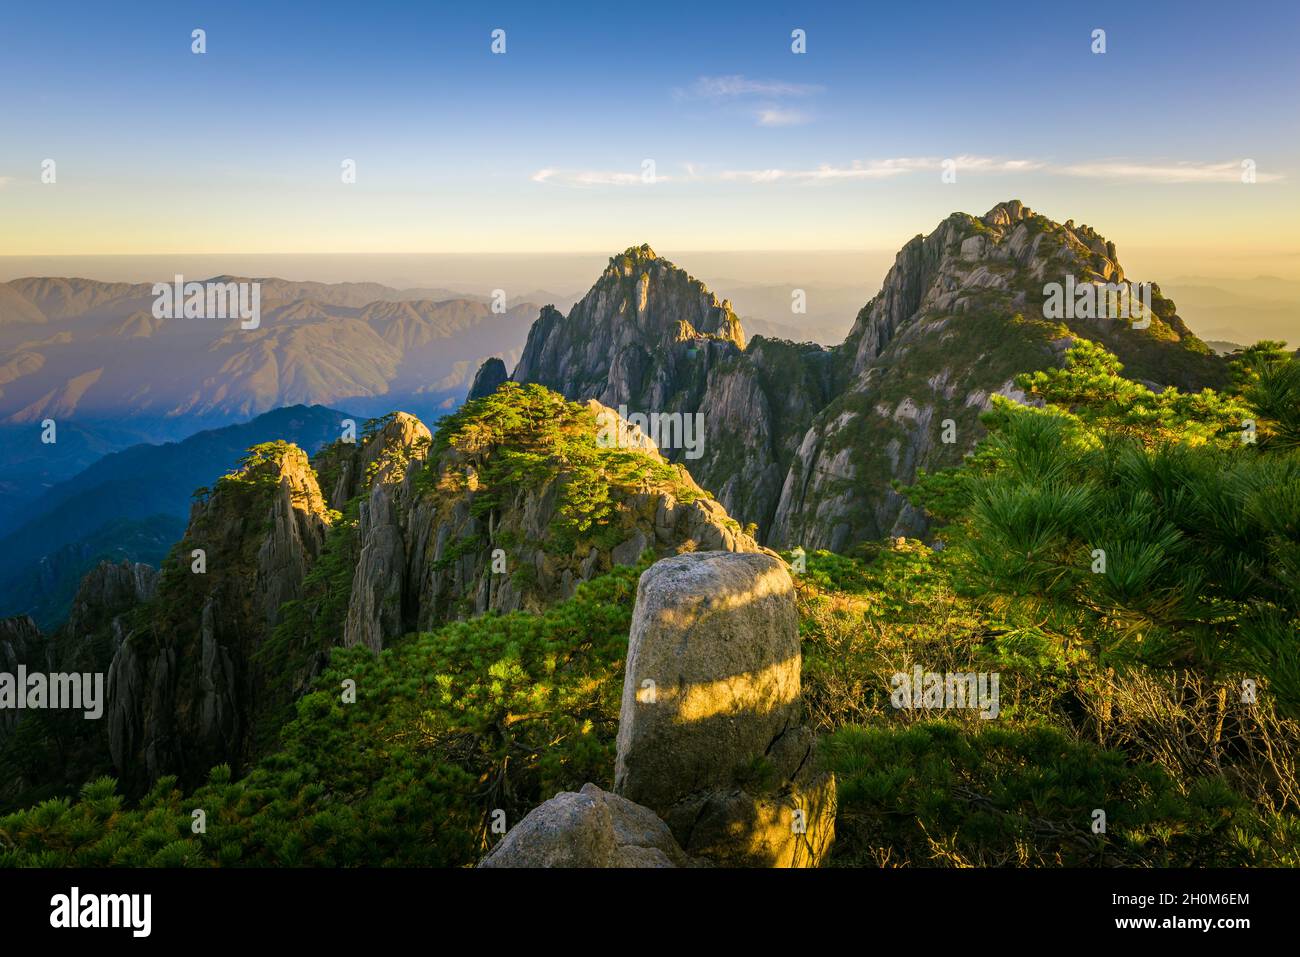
{"x":1126,"y":562}
{"x":523,"y":437}
{"x":496,"y":713}
{"x":935,"y":787}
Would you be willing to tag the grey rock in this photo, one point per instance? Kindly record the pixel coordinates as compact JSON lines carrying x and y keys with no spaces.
{"x":588,"y":828}
{"x":709,"y":735}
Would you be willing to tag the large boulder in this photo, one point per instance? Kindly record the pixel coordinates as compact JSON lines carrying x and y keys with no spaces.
{"x":588,"y":828}
{"x":709,"y":732}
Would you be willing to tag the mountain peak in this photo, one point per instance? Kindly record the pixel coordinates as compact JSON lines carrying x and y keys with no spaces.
{"x":646,"y":330}
{"x":642,"y":253}
{"x":1004,"y":214}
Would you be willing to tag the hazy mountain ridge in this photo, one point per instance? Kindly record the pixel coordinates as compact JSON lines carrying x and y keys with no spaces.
{"x":317,"y":343}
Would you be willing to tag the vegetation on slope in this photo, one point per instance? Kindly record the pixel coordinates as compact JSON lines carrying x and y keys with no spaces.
{"x":1159,"y":689}
{"x":446,"y":728}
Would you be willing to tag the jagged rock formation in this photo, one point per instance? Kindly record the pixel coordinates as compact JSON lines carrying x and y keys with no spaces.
{"x":74,"y":747}
{"x":588,"y":828}
{"x":183,"y":692}
{"x":643,"y":330}
{"x":107,"y":591}
{"x":650,"y":338}
{"x":806,"y":442}
{"x":438,"y":540}
{"x":202,"y":661}
{"x":488,"y":379}
{"x":376,"y":608}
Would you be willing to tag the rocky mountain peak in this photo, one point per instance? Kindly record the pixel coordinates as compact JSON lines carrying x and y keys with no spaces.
{"x":1004,"y":214}
{"x":489,"y":377}
{"x":183,"y":690}
{"x":805,"y":441}
{"x":644,"y":332}
{"x":638,"y":254}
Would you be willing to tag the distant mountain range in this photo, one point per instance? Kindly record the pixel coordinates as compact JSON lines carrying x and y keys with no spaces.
{"x":91,"y":356}
{"x":1224,"y":309}
{"x":87,"y":351}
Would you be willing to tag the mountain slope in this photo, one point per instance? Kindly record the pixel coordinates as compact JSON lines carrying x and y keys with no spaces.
{"x":511,"y":505}
{"x":806,"y":442}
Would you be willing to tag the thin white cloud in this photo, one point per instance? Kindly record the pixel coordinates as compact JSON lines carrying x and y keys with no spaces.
{"x":5,"y":181}
{"x":735,"y":85}
{"x":1175,"y":172}
{"x":881,"y":169}
{"x":592,"y":177}
{"x":1117,"y":170}
{"x":779,"y":117}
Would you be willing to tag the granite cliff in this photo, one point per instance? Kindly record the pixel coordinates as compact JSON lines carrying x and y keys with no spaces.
{"x":807,"y":442}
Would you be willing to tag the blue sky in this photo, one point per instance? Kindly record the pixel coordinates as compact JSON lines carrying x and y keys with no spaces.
{"x":457,"y":149}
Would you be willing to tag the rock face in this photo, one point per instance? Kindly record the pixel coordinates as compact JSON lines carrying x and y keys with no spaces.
{"x":710,"y":745}
{"x":640,"y":305}
{"x":85,"y":644}
{"x":806,"y":442}
{"x":488,"y":379}
{"x":20,"y":644}
{"x":190,"y":679}
{"x":429,"y":553}
{"x":107,"y":591}
{"x":650,"y":338}
{"x":379,"y":604}
{"x":709,"y":734}
{"x":183,"y":693}
{"x":588,"y":828}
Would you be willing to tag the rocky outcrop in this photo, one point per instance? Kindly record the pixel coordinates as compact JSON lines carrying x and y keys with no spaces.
{"x":588,"y":828}
{"x":430,"y":551}
{"x":86,"y":644}
{"x":644,"y":329}
{"x":806,"y":442}
{"x":185,"y":690}
{"x":109,"y":590}
{"x":650,"y":339}
{"x":488,"y":379}
{"x":959,"y":316}
{"x":20,"y":644}
{"x":380,"y":605}
{"x":709,"y":732}
{"x":713,"y":765}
